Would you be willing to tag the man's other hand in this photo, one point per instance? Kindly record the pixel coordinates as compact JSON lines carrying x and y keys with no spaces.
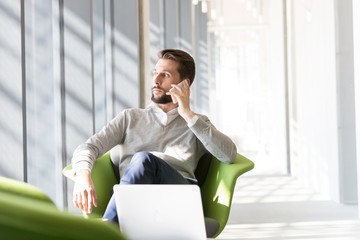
{"x":84,"y":196}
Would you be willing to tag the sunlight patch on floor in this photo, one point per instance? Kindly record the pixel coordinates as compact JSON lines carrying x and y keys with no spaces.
{"x":329,"y":230}
{"x":273,"y":189}
{"x":280,"y":207}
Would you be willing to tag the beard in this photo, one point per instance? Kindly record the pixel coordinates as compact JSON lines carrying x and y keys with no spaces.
{"x":163,"y":99}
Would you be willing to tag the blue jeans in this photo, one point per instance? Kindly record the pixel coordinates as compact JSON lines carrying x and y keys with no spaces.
{"x":145,"y":168}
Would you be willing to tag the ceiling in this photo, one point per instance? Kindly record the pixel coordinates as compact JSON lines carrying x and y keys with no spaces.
{"x":235,"y":13}
{"x":236,"y":20}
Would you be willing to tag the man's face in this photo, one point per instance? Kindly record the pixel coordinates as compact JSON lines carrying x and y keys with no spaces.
{"x":165,"y":73}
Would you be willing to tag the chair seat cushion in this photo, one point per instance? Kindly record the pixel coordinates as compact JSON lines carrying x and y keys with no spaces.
{"x":211,"y":226}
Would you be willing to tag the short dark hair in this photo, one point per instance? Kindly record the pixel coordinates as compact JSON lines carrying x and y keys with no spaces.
{"x":186,"y":62}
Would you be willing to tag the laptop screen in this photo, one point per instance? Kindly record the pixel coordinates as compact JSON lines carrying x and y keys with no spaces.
{"x":160,"y":211}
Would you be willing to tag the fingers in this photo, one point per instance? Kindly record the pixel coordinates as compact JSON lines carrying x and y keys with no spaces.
{"x":91,"y":200}
{"x":76,"y":199}
{"x":85,"y":198}
{"x":94,"y":198}
{"x":84,"y":195}
{"x":182,"y":87}
{"x":180,"y":91}
{"x":84,"y":203}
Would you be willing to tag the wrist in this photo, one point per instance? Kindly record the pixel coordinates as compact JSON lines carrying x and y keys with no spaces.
{"x":188,"y":115}
{"x":192,"y":121}
{"x":83,"y":173}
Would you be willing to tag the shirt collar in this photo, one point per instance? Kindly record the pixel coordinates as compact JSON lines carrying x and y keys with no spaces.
{"x":163,"y":117}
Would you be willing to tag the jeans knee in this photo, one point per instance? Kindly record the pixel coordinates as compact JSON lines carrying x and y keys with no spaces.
{"x":141,"y":156}
{"x":141,"y":169}
{"x":141,"y":159}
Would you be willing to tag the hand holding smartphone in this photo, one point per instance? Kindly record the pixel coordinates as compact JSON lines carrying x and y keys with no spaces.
{"x":181,"y":85}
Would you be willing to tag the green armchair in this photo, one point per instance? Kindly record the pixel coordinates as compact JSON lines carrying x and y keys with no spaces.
{"x":216,"y":179}
{"x":28,"y":213}
{"x":22,"y":189}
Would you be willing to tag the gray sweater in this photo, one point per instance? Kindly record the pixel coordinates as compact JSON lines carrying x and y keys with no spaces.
{"x":179,"y":144}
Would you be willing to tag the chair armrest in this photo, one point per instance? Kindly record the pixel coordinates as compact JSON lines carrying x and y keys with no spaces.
{"x":218,"y":188}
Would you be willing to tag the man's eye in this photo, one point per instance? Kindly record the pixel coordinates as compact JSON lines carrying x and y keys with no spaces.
{"x":163,"y":74}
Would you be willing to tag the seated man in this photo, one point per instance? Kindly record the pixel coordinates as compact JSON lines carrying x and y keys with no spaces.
{"x":161,"y":144}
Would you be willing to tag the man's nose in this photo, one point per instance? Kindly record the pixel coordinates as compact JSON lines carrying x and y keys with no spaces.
{"x":156,"y":85}
{"x":157,"y":80}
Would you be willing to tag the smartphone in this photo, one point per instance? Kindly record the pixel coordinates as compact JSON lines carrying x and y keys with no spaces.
{"x":186,"y":81}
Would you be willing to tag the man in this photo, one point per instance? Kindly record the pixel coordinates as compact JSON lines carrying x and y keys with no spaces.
{"x":160,"y":144}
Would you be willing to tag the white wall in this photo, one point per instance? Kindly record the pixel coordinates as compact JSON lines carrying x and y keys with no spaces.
{"x":314,"y":118}
{"x":346,"y":101}
{"x":322,"y":100}
{"x":356,"y":28}
{"x":250,"y":88}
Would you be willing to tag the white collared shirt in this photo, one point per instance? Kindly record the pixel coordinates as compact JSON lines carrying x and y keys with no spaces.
{"x":167,"y":118}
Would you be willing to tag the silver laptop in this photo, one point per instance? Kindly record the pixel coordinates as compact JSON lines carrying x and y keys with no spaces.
{"x":161,"y":212}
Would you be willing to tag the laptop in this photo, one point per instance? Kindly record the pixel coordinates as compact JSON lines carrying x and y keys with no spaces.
{"x":161,"y":212}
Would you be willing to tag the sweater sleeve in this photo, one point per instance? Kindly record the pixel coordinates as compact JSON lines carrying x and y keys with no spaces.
{"x":109,"y":136}
{"x":217,"y":143}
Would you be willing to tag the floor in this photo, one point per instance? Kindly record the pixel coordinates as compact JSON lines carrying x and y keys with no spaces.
{"x":279,"y":207}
